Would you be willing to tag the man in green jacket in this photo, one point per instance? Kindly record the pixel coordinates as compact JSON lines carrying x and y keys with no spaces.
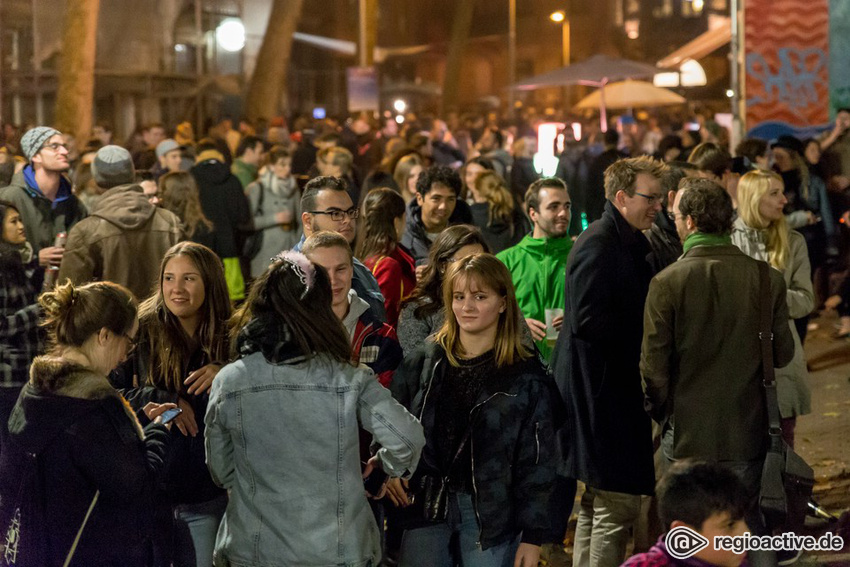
{"x":538,"y":263}
{"x":249,"y":154}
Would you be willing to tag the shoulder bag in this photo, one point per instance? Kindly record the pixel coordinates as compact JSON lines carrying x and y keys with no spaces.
{"x":254,"y":240}
{"x":786,"y":480}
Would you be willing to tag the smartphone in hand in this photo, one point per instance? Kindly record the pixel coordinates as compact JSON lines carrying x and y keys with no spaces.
{"x":168,"y":415}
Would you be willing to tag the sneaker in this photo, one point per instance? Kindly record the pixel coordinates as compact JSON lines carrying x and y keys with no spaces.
{"x":788,"y":556}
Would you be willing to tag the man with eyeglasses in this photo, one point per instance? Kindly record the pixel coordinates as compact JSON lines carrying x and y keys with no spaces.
{"x":326,"y":205}
{"x":607,"y":438}
{"x":43,"y":195}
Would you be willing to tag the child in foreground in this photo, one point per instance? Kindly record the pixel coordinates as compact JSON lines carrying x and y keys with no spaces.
{"x":706,"y":498}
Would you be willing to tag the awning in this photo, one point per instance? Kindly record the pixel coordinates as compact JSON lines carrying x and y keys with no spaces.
{"x":698,"y":48}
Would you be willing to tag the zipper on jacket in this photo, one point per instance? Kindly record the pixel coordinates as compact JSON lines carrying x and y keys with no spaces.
{"x":537,"y":442}
{"x":472,"y":465}
{"x":428,"y":390}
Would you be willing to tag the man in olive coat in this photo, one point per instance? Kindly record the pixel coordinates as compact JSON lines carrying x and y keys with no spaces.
{"x":607,"y":439}
{"x":701,"y":354}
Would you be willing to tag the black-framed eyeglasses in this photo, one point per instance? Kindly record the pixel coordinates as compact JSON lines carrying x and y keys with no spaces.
{"x":132,"y":342}
{"x":55,"y":147}
{"x":651,"y":199}
{"x":338,"y":214}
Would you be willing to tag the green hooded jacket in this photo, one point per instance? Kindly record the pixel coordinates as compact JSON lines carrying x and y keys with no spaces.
{"x":538,"y":269}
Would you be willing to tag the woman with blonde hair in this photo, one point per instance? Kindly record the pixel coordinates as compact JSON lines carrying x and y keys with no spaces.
{"x":487,"y":471}
{"x":405,"y":174}
{"x":495,"y":212}
{"x":762,"y":232}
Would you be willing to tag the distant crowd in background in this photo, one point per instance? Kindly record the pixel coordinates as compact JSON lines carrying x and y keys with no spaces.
{"x":322,"y":301}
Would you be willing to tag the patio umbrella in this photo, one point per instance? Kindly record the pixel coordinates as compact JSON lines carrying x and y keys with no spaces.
{"x":596,"y":71}
{"x":629,"y":94}
{"x":593,"y":72}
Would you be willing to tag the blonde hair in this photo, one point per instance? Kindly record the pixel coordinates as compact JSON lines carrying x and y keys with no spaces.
{"x":493,"y":188}
{"x":751,"y":188}
{"x":401,"y":173}
{"x":485,"y":271}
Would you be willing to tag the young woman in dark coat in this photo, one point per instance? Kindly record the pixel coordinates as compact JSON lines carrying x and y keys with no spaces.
{"x":20,"y":338}
{"x":79,"y":464}
{"x":486,"y":404}
{"x":182,"y":345}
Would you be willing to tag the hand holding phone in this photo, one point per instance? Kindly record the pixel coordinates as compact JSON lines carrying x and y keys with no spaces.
{"x":168,"y":415}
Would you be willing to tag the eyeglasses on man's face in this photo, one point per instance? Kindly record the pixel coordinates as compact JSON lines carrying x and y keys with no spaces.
{"x":651,"y":199}
{"x":338,"y":215}
{"x":55,"y":146}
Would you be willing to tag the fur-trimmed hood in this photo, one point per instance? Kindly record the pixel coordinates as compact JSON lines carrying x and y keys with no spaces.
{"x":60,"y":392}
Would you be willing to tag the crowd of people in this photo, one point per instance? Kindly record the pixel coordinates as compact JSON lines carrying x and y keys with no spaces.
{"x":349,"y":343}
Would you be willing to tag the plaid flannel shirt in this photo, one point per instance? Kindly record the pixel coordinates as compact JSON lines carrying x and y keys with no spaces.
{"x":20,"y":338}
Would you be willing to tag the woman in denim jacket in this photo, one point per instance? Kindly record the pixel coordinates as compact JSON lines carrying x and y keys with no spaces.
{"x":282,"y":430}
{"x":486,"y":404}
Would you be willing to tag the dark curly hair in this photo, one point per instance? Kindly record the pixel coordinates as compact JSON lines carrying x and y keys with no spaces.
{"x":438,"y":174}
{"x":708,"y":204}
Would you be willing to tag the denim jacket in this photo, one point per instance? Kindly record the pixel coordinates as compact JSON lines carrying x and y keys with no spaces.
{"x":283,"y":439}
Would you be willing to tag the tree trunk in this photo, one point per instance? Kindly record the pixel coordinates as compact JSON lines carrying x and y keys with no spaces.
{"x":75,"y":94}
{"x":460,"y":34}
{"x":268,"y":84}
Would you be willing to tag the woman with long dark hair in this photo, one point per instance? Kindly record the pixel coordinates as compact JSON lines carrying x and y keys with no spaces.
{"x":422,"y":313}
{"x":380,"y":248}
{"x":78,"y":479}
{"x":183,"y":344}
{"x":178,"y":192}
{"x":486,"y":403}
{"x":20,"y":339}
{"x":282,"y":430}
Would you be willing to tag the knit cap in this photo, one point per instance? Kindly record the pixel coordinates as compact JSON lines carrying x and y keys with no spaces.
{"x":112,"y":166}
{"x":35,"y":138}
{"x":166,"y":146}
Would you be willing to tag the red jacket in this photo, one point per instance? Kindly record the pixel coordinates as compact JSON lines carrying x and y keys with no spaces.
{"x":396,"y":275}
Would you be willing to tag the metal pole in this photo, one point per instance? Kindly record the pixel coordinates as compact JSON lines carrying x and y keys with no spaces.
{"x":565,"y":55}
{"x":511,"y":54}
{"x":363,"y":59}
{"x":200,"y":47}
{"x":737,"y":122}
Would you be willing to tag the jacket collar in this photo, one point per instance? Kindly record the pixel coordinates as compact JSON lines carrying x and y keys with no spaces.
{"x":709,"y":251}
{"x":630,"y":237}
{"x":31,"y":187}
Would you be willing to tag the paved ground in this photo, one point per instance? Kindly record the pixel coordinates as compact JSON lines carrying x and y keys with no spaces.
{"x":822,"y":438}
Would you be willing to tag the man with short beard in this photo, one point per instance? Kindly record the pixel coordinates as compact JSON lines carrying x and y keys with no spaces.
{"x":42,"y":194}
{"x":538,"y":262}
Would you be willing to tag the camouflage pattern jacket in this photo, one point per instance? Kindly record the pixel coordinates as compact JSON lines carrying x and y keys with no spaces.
{"x":512,"y":443}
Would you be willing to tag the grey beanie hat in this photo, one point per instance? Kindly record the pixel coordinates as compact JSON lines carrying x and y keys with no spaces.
{"x":112,"y":166}
{"x":35,"y":138}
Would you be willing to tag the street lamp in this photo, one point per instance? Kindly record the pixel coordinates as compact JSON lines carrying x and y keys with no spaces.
{"x":560,"y":17}
{"x":230,"y":35}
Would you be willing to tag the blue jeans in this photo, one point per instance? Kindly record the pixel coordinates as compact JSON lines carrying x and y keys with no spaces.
{"x":431,"y":546}
{"x":196,"y":527}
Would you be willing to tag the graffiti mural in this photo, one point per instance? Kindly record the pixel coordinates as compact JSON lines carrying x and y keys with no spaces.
{"x":787,"y":66}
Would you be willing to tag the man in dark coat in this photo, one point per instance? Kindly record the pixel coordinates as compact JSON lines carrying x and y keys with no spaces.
{"x":607,"y":439}
{"x":225,"y":204}
{"x":707,"y":377}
